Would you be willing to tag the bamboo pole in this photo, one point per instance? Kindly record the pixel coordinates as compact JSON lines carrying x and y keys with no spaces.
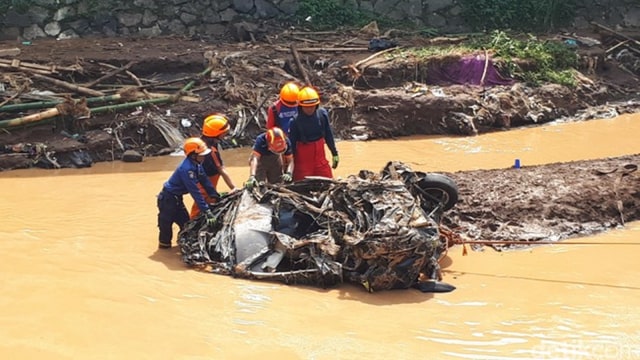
{"x":31,"y":71}
{"x":46,"y":104}
{"x":191,"y":83}
{"x":107,"y":108}
{"x":48,"y":68}
{"x":53,"y":112}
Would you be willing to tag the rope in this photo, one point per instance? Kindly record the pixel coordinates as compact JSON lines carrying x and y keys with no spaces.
{"x":516,"y":242}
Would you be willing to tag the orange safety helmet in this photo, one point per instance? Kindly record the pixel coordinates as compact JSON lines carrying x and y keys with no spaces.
{"x":307,"y":96}
{"x":196,"y":145}
{"x":289,"y":93}
{"x":215,"y":125}
{"x":276,"y":140}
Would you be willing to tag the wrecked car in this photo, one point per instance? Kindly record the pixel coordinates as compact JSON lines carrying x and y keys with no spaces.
{"x":379,"y":230}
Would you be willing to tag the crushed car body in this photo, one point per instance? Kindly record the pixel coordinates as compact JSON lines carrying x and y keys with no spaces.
{"x":376,"y":230}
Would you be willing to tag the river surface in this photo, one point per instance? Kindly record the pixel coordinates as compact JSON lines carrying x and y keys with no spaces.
{"x":81,"y":277}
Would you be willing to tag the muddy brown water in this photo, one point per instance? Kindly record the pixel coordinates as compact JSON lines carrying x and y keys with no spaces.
{"x":81,"y":277}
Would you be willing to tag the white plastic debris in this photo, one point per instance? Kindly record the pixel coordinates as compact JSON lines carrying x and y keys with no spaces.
{"x":186,"y":123}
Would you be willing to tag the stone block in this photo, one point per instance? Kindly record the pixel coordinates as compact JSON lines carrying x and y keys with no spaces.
{"x":132,"y":156}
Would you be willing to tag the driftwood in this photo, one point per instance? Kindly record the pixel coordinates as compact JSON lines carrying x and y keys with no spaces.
{"x":10,"y":52}
{"x":486,"y":66}
{"x":304,"y":39}
{"x":30,"y":71}
{"x":110,"y":74}
{"x":313,"y":32}
{"x":616,"y":33}
{"x":130,"y":74}
{"x":66,"y":85}
{"x":616,"y":46}
{"x":367,"y":59}
{"x":12,"y":97}
{"x":328,"y":49}
{"x":296,"y":58}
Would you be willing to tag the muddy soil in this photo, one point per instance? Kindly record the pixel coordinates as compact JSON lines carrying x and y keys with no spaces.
{"x":369,"y":97}
{"x":549,"y":202}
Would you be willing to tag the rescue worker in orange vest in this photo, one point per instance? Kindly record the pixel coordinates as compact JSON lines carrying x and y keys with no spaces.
{"x":189,"y":177}
{"x":271,"y":159}
{"x":309,"y":133}
{"x":281,"y":113}
{"x":214,"y":128}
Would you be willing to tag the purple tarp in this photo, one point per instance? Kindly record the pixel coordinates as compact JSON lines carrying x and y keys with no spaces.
{"x":467,"y":70}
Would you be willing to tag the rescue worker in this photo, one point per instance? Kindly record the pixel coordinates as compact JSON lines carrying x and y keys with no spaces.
{"x":281,"y":113}
{"x":185,"y":179}
{"x":309,"y":132}
{"x":271,"y":159}
{"x":214,"y":128}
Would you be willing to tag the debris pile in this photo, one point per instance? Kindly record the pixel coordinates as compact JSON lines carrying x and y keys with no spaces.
{"x":368,"y":229}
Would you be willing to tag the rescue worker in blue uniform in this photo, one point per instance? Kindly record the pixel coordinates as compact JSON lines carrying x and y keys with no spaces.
{"x":185,"y":179}
{"x":281,"y":113}
{"x":271,"y":158}
{"x":310,"y":132}
{"x":214,"y":128}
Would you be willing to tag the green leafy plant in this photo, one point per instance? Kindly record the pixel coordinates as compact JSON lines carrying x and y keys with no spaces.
{"x":548,"y":61}
{"x":531,"y":15}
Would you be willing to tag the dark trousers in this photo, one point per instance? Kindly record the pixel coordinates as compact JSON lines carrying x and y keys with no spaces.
{"x":269,"y":168}
{"x":171,"y":210}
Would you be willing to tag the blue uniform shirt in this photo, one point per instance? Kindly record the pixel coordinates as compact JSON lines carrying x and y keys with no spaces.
{"x":185,"y":180}
{"x":312,"y":128}
{"x":261,"y":147}
{"x":283,"y":116}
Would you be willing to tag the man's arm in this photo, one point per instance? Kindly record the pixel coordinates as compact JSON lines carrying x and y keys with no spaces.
{"x":271,"y":117}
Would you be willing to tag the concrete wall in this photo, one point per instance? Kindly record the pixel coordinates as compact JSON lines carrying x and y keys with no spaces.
{"x":72,"y":18}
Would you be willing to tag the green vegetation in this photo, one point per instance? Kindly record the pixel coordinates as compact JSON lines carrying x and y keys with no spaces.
{"x":530,"y":60}
{"x":548,"y":61}
{"x":519,"y":15}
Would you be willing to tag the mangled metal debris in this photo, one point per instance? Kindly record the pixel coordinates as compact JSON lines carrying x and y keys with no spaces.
{"x":377,"y":230}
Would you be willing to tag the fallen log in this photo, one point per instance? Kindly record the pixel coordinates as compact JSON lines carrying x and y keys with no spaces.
{"x":302,"y":70}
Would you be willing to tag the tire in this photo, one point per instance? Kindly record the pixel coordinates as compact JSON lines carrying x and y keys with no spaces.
{"x":438,"y":188}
